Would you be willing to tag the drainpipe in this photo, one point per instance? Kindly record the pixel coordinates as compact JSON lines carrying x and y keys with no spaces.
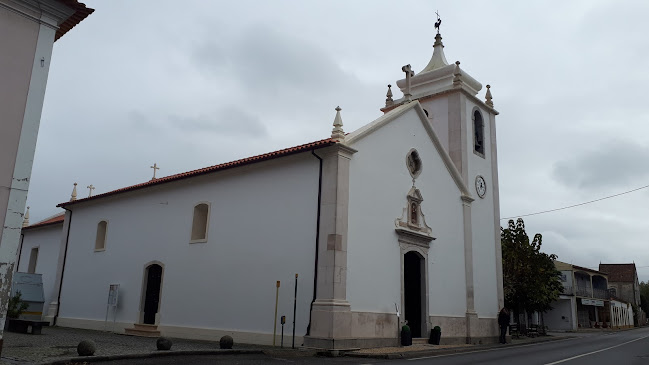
{"x":65,"y":255}
{"x":317,"y":242}
{"x":20,"y":250}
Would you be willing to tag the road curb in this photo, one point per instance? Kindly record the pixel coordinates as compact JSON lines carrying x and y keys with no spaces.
{"x":457,"y":350}
{"x":150,"y":355}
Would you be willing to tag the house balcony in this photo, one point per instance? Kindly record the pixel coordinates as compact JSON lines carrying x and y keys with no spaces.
{"x":586,"y":292}
{"x":600,"y":293}
{"x":583,"y":292}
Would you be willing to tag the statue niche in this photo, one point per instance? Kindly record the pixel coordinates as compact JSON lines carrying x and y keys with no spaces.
{"x":412,"y":223}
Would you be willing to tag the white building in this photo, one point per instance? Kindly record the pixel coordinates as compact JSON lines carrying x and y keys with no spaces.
{"x":397,"y":220}
{"x":39,"y":252}
{"x":28,"y":30}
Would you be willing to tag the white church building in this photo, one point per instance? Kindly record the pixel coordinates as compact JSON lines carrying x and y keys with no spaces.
{"x":397,"y":221}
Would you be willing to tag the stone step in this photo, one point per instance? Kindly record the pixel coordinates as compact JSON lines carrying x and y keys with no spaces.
{"x":143,"y":330}
{"x":420,"y":341}
{"x":145,"y":327}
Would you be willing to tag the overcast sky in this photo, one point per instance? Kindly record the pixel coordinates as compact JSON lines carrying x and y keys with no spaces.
{"x":196,"y":83}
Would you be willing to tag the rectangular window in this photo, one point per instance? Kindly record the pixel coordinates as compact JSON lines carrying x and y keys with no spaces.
{"x":33,"y":258}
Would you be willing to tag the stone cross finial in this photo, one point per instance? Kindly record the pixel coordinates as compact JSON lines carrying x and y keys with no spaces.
{"x":456,"y":75}
{"x":90,"y":188}
{"x":388,"y":99}
{"x":409,"y":73}
{"x":488,"y":97}
{"x":26,"y":220}
{"x":154,"y":167}
{"x":73,"y":196}
{"x":337,"y":132}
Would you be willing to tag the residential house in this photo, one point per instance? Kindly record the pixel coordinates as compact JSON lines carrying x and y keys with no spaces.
{"x":623,"y":283}
{"x":585,"y":301}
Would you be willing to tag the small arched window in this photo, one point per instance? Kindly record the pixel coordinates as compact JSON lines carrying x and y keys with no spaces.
{"x":478,"y":133}
{"x":200,"y":222}
{"x":100,"y":240}
{"x":33,"y":259}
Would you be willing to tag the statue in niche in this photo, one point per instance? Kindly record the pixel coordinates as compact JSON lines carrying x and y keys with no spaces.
{"x":413,"y":214}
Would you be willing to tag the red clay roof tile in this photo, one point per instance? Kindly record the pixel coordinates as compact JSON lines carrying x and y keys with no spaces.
{"x":59,"y":218}
{"x":81,"y":12}
{"x":224,"y":166}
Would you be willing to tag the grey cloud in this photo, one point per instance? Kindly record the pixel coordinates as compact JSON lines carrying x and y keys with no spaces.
{"x":612,"y":164}
{"x":228,"y":121}
{"x":268,"y":61}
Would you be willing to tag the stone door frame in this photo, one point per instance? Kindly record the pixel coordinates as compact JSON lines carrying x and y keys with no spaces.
{"x":421,"y":249}
{"x":145,"y":279}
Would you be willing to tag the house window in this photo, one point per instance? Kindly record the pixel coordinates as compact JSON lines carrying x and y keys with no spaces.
{"x":200,"y":222}
{"x":478,"y":133}
{"x":33,"y":258}
{"x":100,"y":241}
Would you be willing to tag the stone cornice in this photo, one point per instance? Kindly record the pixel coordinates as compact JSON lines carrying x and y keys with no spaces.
{"x":47,"y":12}
{"x":467,"y":199}
{"x":414,"y":238}
{"x":449,"y":90}
{"x":338,"y":148}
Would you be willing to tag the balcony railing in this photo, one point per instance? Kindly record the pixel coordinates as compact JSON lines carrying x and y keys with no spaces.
{"x":600,"y":293}
{"x":586,"y":292}
{"x":567,"y":290}
{"x":583,"y":292}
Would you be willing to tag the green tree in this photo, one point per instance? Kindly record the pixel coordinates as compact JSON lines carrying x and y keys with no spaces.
{"x":530,"y":280}
{"x":644,"y":296}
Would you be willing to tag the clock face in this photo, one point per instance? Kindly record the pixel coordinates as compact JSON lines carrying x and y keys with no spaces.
{"x":480,"y":186}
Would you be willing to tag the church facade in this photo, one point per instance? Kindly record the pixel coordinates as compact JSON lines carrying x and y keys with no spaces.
{"x":394,"y":223}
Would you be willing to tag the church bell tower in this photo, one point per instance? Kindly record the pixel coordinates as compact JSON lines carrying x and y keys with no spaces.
{"x":466,"y":126}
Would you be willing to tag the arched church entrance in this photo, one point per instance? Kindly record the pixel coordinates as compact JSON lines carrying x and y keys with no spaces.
{"x":414,"y":295}
{"x":152,"y":293}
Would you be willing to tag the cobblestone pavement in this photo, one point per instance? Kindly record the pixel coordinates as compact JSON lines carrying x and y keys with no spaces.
{"x":60,"y":343}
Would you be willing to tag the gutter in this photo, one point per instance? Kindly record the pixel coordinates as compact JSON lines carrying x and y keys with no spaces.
{"x":20,"y":250}
{"x":65,"y":256}
{"x":317,"y":242}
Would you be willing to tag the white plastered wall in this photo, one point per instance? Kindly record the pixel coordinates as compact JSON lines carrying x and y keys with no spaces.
{"x":482,"y":218}
{"x":48,"y":241}
{"x":438,"y":116}
{"x":379,"y":182}
{"x":262,"y":229}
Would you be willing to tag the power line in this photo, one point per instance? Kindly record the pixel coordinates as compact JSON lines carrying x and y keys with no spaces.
{"x":577,"y":205}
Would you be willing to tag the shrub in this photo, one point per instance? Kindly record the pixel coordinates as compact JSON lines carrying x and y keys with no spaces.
{"x":16,"y":306}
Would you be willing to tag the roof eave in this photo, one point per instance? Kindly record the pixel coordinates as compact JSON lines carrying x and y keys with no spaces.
{"x":222,"y":167}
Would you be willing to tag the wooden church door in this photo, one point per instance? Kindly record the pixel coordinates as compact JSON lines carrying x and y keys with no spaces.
{"x":152,"y":296}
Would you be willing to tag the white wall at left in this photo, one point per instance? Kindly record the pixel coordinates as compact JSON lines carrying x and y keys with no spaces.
{"x":47,"y":240}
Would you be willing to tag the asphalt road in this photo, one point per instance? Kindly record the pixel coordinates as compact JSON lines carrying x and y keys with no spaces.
{"x":610,"y":348}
